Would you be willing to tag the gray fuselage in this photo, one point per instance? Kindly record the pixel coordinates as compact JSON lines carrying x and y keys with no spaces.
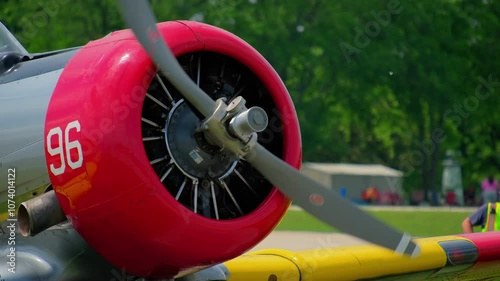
{"x":25,"y":92}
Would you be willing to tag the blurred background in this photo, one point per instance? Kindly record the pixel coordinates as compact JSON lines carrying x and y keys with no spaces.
{"x":413,"y":86}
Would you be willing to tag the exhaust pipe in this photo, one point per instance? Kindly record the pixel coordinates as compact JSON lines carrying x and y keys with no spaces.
{"x":39,"y":213}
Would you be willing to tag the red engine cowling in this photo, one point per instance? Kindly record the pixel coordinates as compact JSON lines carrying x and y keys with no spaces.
{"x":132,"y":175}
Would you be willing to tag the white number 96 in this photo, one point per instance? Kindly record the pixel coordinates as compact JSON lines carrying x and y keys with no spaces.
{"x":65,"y":154}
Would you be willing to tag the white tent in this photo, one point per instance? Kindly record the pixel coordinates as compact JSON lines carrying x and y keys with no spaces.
{"x":355,"y":178}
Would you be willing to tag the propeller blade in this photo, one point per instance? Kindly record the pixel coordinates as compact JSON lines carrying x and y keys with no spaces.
{"x":323,"y":203}
{"x":138,"y":15}
{"x":327,"y":205}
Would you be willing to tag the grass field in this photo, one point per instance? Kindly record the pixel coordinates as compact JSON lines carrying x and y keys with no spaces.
{"x":416,"y":223}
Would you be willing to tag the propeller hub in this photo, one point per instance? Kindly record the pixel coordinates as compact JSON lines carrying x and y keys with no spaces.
{"x":244,"y":122}
{"x":253,"y":120}
{"x":190,"y":150}
{"x":233,"y":127}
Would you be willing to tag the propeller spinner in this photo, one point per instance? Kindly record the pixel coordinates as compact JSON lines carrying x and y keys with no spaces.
{"x":233,"y":127}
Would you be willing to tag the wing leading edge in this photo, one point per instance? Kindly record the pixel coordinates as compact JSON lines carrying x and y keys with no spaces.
{"x":461,"y":257}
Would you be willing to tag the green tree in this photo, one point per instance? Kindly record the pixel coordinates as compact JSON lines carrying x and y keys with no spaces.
{"x":373,"y":81}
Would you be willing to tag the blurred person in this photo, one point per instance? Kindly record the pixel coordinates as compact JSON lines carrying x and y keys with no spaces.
{"x":490,"y":190}
{"x":451,"y":198}
{"x":371,"y":195}
{"x":386,"y":198}
{"x":485,"y":216}
{"x":470,"y":196}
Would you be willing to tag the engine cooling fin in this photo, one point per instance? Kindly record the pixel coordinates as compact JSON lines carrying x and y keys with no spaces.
{"x":197,"y":174}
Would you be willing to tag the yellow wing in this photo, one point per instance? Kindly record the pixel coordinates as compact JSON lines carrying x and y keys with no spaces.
{"x":462,"y":257}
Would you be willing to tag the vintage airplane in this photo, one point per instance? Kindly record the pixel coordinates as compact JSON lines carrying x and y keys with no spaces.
{"x":128,"y":171}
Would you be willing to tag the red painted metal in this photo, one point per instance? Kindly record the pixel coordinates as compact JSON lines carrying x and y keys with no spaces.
{"x":115,"y":200}
{"x":487,"y":243}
